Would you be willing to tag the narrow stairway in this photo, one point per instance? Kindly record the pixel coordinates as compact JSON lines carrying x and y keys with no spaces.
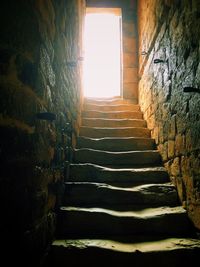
{"x":120,"y":207}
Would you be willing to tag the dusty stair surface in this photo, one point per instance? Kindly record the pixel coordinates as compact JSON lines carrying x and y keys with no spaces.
{"x":119,"y":206}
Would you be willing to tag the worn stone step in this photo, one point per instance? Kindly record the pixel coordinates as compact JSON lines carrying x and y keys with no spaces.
{"x":102,"y":194}
{"x":139,"y":158}
{"x":116,"y":144}
{"x":94,"y":173}
{"x":166,"y":252}
{"x":109,"y":101}
{"x":115,"y":123}
{"x":109,"y":107}
{"x":99,"y":221}
{"x":113,"y":115}
{"x":96,"y":132}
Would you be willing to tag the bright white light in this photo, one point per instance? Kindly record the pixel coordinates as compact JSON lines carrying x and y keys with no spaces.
{"x":101,"y":68}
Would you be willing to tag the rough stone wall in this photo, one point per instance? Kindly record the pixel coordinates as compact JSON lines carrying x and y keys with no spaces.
{"x":130,"y":50}
{"x":169,"y":31}
{"x":40,"y":53}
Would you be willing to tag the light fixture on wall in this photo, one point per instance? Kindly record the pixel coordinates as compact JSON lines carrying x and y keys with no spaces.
{"x":190,"y":89}
{"x":158,"y":60}
{"x":143,"y":53}
{"x":47,"y":116}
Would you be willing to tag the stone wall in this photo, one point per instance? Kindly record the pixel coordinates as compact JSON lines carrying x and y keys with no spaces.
{"x":169,"y":31}
{"x":40,"y":100}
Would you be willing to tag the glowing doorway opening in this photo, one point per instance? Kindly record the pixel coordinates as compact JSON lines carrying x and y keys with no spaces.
{"x":102,"y":62}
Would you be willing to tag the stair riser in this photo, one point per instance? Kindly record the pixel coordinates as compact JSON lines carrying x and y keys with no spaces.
{"x":101,"y":157}
{"x":116,"y":132}
{"x":91,"y":194}
{"x":87,"y":223}
{"x":90,"y":174}
{"x":112,"y":115}
{"x":122,"y":107}
{"x":95,"y":256}
{"x":112,"y":123}
{"x":131,"y":144}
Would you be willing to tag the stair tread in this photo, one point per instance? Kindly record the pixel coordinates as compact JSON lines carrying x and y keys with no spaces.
{"x":93,"y":172}
{"x":139,"y":158}
{"x":144,"y":214}
{"x":113,"y":128}
{"x":109,"y":100}
{"x":97,"y":221}
{"x":156,"y":188}
{"x":164,"y":188}
{"x":112,"y":114}
{"x":132,"y":169}
{"x":107,"y":119}
{"x":148,"y":195}
{"x":131,"y":247}
{"x":116,"y":143}
{"x":103,"y":122}
{"x":111,"y":107}
{"x":113,"y":138}
{"x":108,"y":112}
{"x":117,"y":152}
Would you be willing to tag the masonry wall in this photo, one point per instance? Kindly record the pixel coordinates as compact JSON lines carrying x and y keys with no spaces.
{"x":40,"y":100}
{"x":170,"y":30}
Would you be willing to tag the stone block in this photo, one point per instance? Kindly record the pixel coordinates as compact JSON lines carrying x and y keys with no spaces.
{"x":185,"y":166}
{"x":163,"y":148}
{"x":130,"y":90}
{"x":129,"y":29}
{"x":171,"y":148}
{"x":172,"y":127}
{"x":129,"y":45}
{"x":130,"y":75}
{"x":179,"y":144}
{"x":128,"y":14}
{"x":175,"y":167}
{"x":130,"y":60}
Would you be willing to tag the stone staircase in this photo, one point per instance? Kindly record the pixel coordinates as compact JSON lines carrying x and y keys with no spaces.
{"x":120,"y":207}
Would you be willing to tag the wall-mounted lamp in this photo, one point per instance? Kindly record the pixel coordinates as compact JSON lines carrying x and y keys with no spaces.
{"x":143,"y":53}
{"x":190,"y":89}
{"x":158,"y":60}
{"x":47,"y":116}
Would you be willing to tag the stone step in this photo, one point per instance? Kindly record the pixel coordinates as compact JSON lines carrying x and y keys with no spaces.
{"x":98,"y":221}
{"x":94,"y":173}
{"x":115,"y":123}
{"x":96,"y":132}
{"x":116,"y":144}
{"x":134,"y":158}
{"x":105,"y":195}
{"x":166,"y":252}
{"x":113,"y":115}
{"x":109,"y":107}
{"x":109,"y":101}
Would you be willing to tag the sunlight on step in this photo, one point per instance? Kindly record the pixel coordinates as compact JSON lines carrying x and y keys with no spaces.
{"x":101,"y":68}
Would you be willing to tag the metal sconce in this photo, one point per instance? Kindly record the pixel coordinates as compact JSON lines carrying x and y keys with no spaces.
{"x":191,"y":90}
{"x":47,"y":116}
{"x":144,"y":53}
{"x":158,"y":60}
